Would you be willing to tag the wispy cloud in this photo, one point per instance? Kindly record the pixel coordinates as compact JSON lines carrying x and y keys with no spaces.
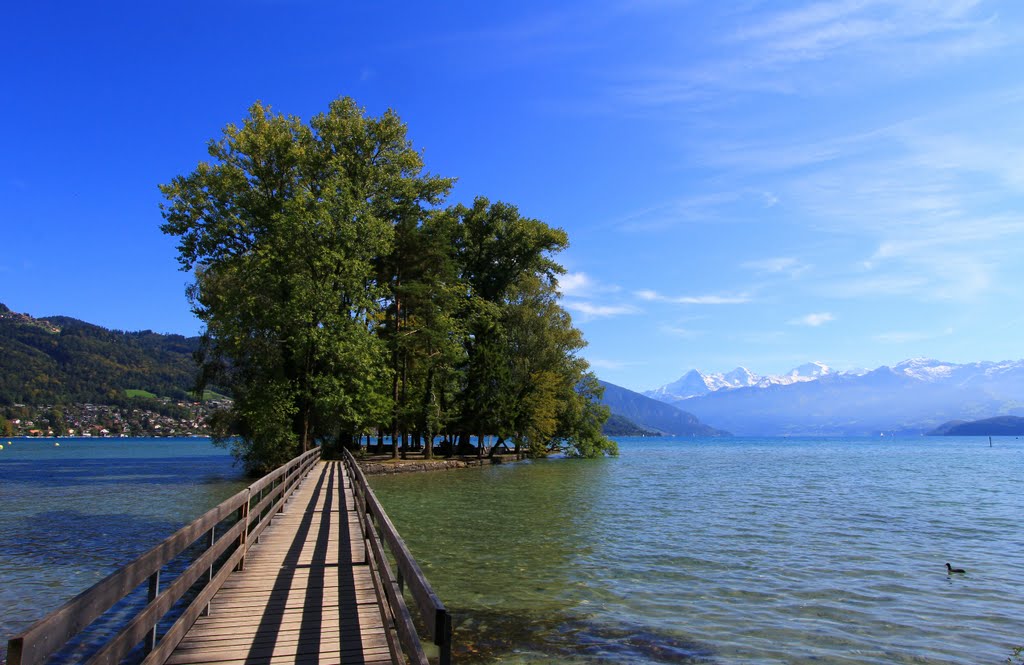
{"x":590,"y":310}
{"x":765,"y":337}
{"x":819,"y":46}
{"x":605,"y":363}
{"x":937,"y":197}
{"x":683,"y":333}
{"x":654,"y":296}
{"x":780,"y":265}
{"x":905,"y":337}
{"x":813,"y":320}
{"x":694,"y":209}
{"x":816,"y":30}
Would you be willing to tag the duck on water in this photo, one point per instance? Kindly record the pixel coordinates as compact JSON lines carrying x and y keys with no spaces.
{"x":950,"y":570}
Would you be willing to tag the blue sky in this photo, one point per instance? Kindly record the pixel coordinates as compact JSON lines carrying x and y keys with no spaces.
{"x":755,"y":183}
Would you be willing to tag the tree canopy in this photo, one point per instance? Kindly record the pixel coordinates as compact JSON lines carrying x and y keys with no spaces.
{"x":340,"y":297}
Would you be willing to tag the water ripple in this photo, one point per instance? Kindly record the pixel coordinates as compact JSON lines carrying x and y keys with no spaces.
{"x":758,"y":551}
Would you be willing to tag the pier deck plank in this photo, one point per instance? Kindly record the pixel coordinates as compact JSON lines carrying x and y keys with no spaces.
{"x":305,"y":595}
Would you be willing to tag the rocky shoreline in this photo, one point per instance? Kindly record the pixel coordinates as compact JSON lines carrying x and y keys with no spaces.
{"x":381,"y":466}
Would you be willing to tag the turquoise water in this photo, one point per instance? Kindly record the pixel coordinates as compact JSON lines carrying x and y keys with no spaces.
{"x":729,"y":551}
{"x":72,"y":514}
{"x":706,"y":551}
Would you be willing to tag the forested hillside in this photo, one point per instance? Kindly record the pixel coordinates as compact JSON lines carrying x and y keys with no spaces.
{"x":651,"y":413}
{"x":59,"y":360}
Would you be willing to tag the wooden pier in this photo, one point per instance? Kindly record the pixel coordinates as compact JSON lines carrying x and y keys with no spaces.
{"x":306,"y":594}
{"x":300,"y":574}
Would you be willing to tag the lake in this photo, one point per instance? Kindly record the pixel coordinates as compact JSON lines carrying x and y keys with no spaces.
{"x":729,"y":551}
{"x":681,"y":550}
{"x":72,"y":514}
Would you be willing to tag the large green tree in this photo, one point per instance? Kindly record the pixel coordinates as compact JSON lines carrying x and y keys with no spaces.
{"x":523,"y":377}
{"x":283,"y":230}
{"x":339,"y":297}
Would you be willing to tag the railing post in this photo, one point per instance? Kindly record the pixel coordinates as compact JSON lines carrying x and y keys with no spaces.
{"x":211,"y":538}
{"x":259,"y":515}
{"x":154,"y":590}
{"x":50,"y":633}
{"x":443,"y":636}
{"x":243,"y":538}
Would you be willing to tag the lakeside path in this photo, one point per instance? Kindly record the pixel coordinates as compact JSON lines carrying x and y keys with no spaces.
{"x":306,"y":594}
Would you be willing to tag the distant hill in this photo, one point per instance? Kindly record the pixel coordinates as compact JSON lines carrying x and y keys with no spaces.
{"x":656,"y":415}
{"x":60,"y":360}
{"x":998,"y":426}
{"x":617,"y":425}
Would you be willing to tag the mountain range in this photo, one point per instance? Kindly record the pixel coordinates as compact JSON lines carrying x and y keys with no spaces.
{"x":912,"y":397}
{"x":695,"y":383}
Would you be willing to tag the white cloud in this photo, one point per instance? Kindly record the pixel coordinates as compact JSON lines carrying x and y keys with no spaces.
{"x":654,"y":296}
{"x":814,"y":320}
{"x":574,"y":283}
{"x":592,"y":311}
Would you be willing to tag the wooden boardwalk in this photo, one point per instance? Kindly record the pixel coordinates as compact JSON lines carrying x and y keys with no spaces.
{"x":305,"y":595}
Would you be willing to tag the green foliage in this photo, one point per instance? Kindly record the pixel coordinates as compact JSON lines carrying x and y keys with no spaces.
{"x":339,"y":298}
{"x":284,"y":231}
{"x":60,"y":360}
{"x":132,"y":392}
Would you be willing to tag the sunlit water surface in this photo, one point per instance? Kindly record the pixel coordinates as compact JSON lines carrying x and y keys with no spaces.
{"x":72,"y":514}
{"x":729,"y":551}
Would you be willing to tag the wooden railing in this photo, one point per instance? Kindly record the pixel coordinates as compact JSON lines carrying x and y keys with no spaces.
{"x":224,"y":552}
{"x":379,"y":531}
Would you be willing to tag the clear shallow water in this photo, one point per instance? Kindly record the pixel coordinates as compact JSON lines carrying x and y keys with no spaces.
{"x":74,"y":513}
{"x":729,"y":551}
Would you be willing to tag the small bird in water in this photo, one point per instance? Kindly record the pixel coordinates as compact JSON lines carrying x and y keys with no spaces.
{"x":950,"y":569}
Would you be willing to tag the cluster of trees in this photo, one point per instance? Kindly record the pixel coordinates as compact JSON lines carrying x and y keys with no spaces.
{"x":342,"y":297}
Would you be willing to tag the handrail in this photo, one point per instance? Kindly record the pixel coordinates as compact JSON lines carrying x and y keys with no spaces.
{"x":432,"y":611}
{"x":40,"y":640}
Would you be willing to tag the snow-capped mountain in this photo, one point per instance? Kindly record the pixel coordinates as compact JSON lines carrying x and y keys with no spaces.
{"x":809,"y":372}
{"x":695,"y":383}
{"x":912,"y":396}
